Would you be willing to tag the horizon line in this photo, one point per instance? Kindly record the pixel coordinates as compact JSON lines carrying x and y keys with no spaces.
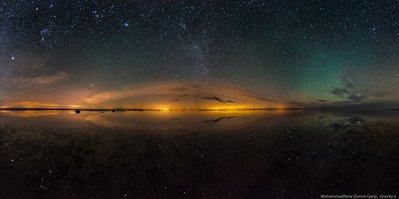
{"x":146,"y":109}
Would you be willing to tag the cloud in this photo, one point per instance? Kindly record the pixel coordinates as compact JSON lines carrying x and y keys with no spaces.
{"x":360,"y":86}
{"x":218,"y":99}
{"x":352,"y":89}
{"x":349,"y":94}
{"x":322,"y":100}
{"x":26,"y":82}
{"x":340,"y":92}
{"x":356,"y":97}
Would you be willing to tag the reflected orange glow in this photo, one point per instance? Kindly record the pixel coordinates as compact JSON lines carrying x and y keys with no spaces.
{"x":29,"y":114}
{"x":152,"y":121}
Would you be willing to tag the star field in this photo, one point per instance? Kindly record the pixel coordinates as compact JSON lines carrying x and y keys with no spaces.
{"x":307,"y":53}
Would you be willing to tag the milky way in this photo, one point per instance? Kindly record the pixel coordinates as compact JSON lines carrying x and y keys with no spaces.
{"x":313,"y":53}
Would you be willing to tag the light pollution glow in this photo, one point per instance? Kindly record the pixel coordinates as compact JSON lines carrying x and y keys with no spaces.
{"x":165,"y":97}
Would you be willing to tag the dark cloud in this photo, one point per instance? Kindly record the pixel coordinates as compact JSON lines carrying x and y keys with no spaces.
{"x":340,"y":92}
{"x":218,"y":99}
{"x":214,"y":121}
{"x":351,"y":123}
{"x":356,"y":97}
{"x":322,"y":100}
{"x":350,"y":91}
{"x":351,"y":95}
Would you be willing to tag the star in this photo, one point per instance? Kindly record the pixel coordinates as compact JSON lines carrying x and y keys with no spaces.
{"x":126,"y":24}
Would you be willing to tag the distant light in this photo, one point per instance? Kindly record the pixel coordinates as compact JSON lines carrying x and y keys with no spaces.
{"x":12,"y":58}
{"x":280,"y":107}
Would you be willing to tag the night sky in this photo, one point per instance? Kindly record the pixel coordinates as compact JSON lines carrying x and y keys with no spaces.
{"x":129,"y":53}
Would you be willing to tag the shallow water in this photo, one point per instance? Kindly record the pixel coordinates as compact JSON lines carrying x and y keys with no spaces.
{"x":249,"y":154}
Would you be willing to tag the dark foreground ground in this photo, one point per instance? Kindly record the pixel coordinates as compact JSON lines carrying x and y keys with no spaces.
{"x":298,"y":154}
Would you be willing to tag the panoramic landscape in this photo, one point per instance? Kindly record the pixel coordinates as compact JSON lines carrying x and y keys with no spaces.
{"x":199,"y":99}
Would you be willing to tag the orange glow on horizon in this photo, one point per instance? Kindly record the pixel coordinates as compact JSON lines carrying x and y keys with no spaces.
{"x":165,"y":96}
{"x":30,"y":105}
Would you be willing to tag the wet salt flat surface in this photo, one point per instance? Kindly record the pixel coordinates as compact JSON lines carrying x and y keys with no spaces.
{"x":258,"y":154}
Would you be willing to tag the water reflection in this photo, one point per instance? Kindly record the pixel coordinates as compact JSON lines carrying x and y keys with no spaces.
{"x":149,"y":121}
{"x":264,"y":154}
